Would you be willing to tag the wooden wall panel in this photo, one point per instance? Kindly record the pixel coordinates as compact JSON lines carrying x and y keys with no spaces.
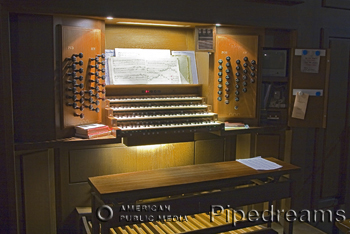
{"x":243,"y":146}
{"x":242,"y":95}
{"x":316,"y":113}
{"x":39,"y":192}
{"x":79,"y":35}
{"x":268,"y":146}
{"x":85,"y":163}
{"x":87,"y":41}
{"x":208,"y":151}
{"x":149,"y":37}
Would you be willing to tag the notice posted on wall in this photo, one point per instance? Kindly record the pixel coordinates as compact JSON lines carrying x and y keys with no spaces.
{"x":300,"y":105}
{"x":310,"y":59}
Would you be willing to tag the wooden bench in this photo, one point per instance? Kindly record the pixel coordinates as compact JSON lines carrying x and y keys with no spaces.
{"x":188,"y":190}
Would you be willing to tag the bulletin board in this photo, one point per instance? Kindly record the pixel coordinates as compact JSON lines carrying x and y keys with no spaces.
{"x":310,"y":75}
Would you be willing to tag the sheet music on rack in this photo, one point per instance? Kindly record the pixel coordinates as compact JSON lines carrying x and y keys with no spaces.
{"x":108,"y":54}
{"x":191,"y":63}
{"x":148,"y":66}
{"x":185,"y":69}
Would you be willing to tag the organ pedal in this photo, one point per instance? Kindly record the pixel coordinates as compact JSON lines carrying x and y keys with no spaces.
{"x":195,"y":222}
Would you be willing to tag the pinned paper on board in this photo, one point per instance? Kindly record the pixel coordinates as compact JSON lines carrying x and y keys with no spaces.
{"x":310,"y":59}
{"x":300,"y":105}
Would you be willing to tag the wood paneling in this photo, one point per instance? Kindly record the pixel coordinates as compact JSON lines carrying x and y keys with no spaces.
{"x":237,"y":47}
{"x":78,"y":35}
{"x":77,"y":40}
{"x":203,"y":64}
{"x":268,"y":146}
{"x":149,"y":37}
{"x":39,"y":192}
{"x":316,"y":113}
{"x":243,"y":146}
{"x":85,"y":163}
{"x":208,"y":151}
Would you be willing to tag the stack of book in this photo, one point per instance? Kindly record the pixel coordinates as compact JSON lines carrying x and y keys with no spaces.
{"x":91,"y":131}
{"x":236,"y":125}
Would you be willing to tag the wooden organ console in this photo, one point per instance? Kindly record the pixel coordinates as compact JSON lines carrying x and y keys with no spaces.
{"x":187,"y":191}
{"x":158,"y":110}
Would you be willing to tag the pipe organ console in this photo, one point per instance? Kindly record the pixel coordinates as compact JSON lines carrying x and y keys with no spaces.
{"x":158,"y":109}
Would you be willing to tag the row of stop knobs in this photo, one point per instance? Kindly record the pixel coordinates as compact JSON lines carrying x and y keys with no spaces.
{"x":248,"y":69}
{"x":97,"y":82}
{"x":76,"y":85}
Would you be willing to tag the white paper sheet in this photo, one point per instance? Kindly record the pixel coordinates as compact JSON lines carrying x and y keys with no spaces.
{"x":163,"y":71}
{"x":136,"y":70}
{"x":192,"y":56}
{"x":259,"y":163}
{"x":108,"y":54}
{"x":127,"y":71}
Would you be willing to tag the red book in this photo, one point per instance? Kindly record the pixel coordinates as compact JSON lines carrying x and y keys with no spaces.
{"x":91,"y":129}
{"x":92,"y":136}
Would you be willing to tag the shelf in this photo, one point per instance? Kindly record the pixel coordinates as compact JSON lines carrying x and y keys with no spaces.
{"x":67,"y":142}
{"x":261,"y":129}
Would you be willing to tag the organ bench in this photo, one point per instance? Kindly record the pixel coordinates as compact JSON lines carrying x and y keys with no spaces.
{"x":186,"y":191}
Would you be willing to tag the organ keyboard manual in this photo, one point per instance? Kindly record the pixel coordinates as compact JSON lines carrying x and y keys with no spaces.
{"x":147,"y":110}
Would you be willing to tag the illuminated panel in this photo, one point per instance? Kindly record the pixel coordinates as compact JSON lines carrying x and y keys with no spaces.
{"x":235,"y":77}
